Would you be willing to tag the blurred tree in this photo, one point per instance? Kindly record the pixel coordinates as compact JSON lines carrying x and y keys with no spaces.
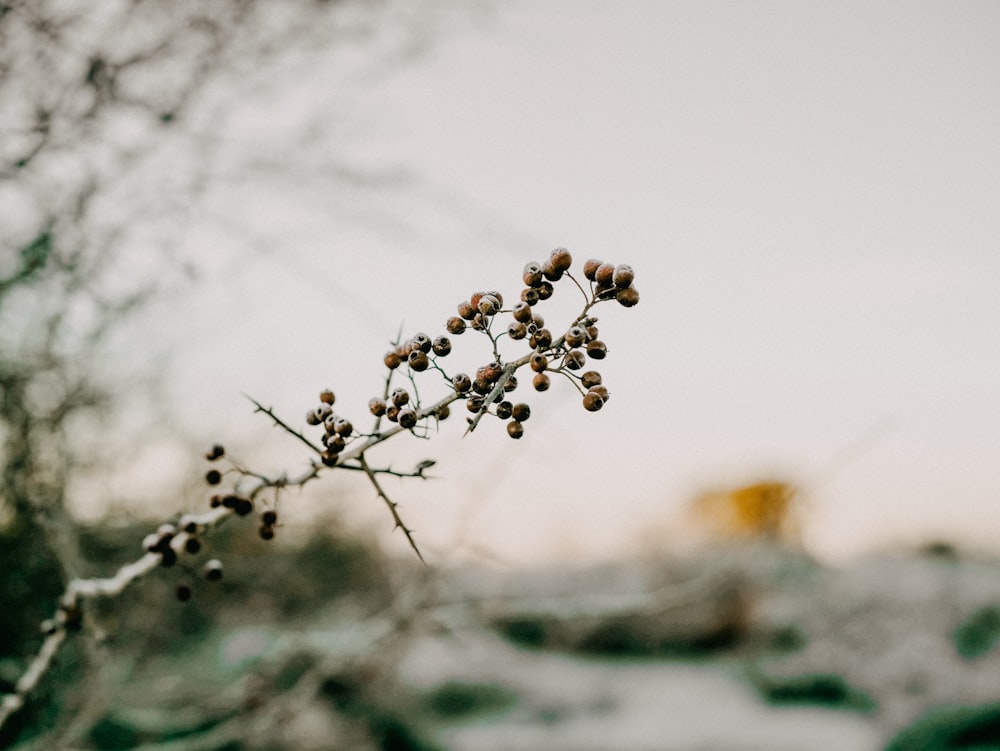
{"x":107,"y":132}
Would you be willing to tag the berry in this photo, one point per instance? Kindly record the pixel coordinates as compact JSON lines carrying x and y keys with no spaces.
{"x":407,"y":417}
{"x":335,"y":443}
{"x":538,"y":362}
{"x":605,"y":275}
{"x":455,"y":325}
{"x":532,"y":275}
{"x":623,"y":275}
{"x":392,"y":413}
{"x":444,"y":412}
{"x":597,"y":349}
{"x":515,"y":429}
{"x":168,"y":557}
{"x":266,"y":533}
{"x":312,"y":418}
{"x":376,"y":406}
{"x":422,"y":342}
{"x":592,"y":401}
{"x":461,"y":382}
{"x":517,"y":330}
{"x":492,"y":372}
{"x":442,"y":346}
{"x":327,"y":397}
{"x":505,"y":410}
{"x":545,"y":290}
{"x":392,"y":359}
{"x":521,"y":412}
{"x":489,"y":305}
{"x":550,"y":272}
{"x":400,"y":396}
{"x":466,"y":310}
{"x":590,"y":268}
{"x":628,"y":297}
{"x":574,"y":359}
{"x":601,"y":391}
{"x":213,"y":477}
{"x":511,"y":384}
{"x":475,"y":403}
{"x":541,"y":339}
{"x":329,"y":458}
{"x":183,"y":592}
{"x":530,"y":295}
{"x":215,"y":501}
{"x":521,"y":311}
{"x":269,"y":517}
{"x":192,"y":545}
{"x":561,"y":259}
{"x":590,"y":379}
{"x":216,"y":452}
{"x":213,"y":570}
{"x":418,"y":361}
{"x":576,"y":336}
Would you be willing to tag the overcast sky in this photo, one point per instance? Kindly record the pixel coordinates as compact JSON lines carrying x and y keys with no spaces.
{"x":809,"y":193}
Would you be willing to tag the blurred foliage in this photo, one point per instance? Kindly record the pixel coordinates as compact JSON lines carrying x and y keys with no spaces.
{"x":762,"y":510}
{"x":978,"y":634}
{"x":815,"y":689}
{"x":957,"y":728}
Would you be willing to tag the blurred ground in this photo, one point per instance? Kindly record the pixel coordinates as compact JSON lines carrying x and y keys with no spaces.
{"x":330,"y":646}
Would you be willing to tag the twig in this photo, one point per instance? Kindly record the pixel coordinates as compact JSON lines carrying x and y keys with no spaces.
{"x":283,"y":425}
{"x":392,"y":506}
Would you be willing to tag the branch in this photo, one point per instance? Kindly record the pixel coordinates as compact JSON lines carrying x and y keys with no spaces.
{"x":392,"y":506}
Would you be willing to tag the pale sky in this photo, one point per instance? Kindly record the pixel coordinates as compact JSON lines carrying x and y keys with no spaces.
{"x":810,"y":196}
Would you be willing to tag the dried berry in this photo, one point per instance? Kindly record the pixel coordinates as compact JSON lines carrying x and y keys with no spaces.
{"x":530,"y":295}
{"x":467,"y":310}
{"x":541,"y":339}
{"x":601,"y":391}
{"x":392,"y":359}
{"x":597,"y":350}
{"x":492,"y":372}
{"x":532,"y":275}
{"x":475,"y":403}
{"x":266,"y":533}
{"x":422,"y":342}
{"x":575,"y":359}
{"x":188,"y":523}
{"x":521,"y":311}
{"x":327,"y":397}
{"x":192,"y":545}
{"x":541,"y":382}
{"x":504,"y":410}
{"x":628,"y":297}
{"x":213,"y":570}
{"x":623,"y":275}
{"x":392,"y":412}
{"x":455,"y":325}
{"x":590,"y":378}
{"x":517,"y":330}
{"x":489,"y":305}
{"x":538,"y":362}
{"x":376,"y":406}
{"x":550,"y":272}
{"x":335,"y":443}
{"x":407,"y":417}
{"x":442,"y":346}
{"x":590,"y":268}
{"x":312,"y":418}
{"x":400,"y":396}
{"x":592,"y":401}
{"x":168,"y":557}
{"x":511,"y":384}
{"x":545,"y":290}
{"x":515,"y":429}
{"x":443,"y":412}
{"x":521,"y":412}
{"x":461,"y":382}
{"x":561,"y":259}
{"x":329,"y":458}
{"x":213,"y":477}
{"x":183,"y":592}
{"x":269,"y":517}
{"x":343,"y":426}
{"x":605,"y":274}
{"x":576,"y":336}
{"x":216,"y":452}
{"x":418,"y":360}
{"x":215,"y":501}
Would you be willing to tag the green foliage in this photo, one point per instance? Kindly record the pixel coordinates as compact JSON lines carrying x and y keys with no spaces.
{"x":977,"y":634}
{"x":456,"y":699}
{"x":952,"y":728}
{"x":818,"y":689}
